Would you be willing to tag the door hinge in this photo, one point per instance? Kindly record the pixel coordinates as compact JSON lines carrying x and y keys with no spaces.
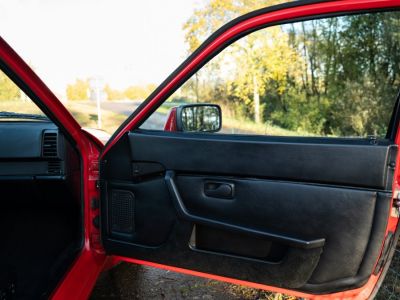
{"x":396,"y":204}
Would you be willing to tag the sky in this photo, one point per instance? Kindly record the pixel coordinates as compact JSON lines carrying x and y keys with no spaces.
{"x":124,"y":42}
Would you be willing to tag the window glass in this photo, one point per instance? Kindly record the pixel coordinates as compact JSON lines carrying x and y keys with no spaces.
{"x":14,"y":104}
{"x":334,"y":77}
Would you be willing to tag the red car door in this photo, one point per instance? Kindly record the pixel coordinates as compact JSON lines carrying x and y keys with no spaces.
{"x":316,"y":217}
{"x":321,"y":209}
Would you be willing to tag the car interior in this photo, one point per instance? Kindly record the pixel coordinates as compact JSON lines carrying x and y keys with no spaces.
{"x":40,"y":211}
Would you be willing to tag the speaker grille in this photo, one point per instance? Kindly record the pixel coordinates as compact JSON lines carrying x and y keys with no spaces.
{"x":122,"y":212}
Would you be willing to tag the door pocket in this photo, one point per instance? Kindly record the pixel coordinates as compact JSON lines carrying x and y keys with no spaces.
{"x":234,"y":244}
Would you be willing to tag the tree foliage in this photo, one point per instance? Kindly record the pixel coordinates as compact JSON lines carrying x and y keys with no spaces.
{"x":113,"y":94}
{"x":8,"y":89}
{"x":139,"y":92}
{"x":336,"y":76}
{"x":79,"y":90}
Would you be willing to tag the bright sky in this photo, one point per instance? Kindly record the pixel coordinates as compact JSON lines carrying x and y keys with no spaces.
{"x":125,"y":42}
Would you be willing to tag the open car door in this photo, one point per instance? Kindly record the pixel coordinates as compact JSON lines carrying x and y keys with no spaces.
{"x":309,"y":216}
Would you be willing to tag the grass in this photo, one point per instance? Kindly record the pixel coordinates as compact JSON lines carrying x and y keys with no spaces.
{"x":231,"y":125}
{"x":242,"y":126}
{"x":20,"y":106}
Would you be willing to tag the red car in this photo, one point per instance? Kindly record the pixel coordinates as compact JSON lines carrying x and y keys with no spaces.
{"x":311,"y":217}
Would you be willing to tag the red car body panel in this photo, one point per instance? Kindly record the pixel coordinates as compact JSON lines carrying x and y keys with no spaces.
{"x":81,"y":277}
{"x":170,"y":124}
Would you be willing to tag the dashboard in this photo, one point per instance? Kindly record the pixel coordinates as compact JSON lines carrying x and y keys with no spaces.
{"x":32,"y":150}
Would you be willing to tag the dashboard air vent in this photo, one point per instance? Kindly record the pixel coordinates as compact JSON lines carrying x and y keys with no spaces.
{"x":54,"y":167}
{"x":50,"y":144}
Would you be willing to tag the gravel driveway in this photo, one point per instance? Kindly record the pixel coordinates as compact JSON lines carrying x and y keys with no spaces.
{"x":129,"y":281}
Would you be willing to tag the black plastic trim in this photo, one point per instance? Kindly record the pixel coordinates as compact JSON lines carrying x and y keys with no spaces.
{"x":184,"y":213}
{"x":357,"y":164}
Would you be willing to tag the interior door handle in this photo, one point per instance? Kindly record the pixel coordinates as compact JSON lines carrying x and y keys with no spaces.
{"x":186,"y":215}
{"x":219,"y":189}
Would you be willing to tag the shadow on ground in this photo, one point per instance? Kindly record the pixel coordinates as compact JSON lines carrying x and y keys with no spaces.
{"x":127,"y":281}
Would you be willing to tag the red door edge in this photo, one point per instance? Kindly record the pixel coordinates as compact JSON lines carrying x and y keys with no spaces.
{"x":81,"y":277}
{"x":207,"y":52}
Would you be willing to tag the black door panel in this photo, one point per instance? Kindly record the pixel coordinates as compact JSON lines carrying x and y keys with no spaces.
{"x":297,"y":213}
{"x":223,"y":219}
{"x":340,"y":217}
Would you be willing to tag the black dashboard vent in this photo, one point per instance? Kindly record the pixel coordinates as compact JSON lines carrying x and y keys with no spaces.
{"x":54,"y":167}
{"x":50,"y":144}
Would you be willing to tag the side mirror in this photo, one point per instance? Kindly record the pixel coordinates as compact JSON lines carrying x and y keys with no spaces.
{"x":195,"y":118}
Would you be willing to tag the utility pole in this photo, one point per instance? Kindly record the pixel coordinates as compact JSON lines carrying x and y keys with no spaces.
{"x":96,"y":87}
{"x":98,"y":99}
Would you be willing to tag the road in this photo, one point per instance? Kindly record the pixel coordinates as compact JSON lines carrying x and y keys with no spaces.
{"x":120,"y":107}
{"x":156,"y":120}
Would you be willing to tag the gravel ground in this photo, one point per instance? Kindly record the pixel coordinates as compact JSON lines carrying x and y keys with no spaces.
{"x":390,"y":289}
{"x":128,"y":281}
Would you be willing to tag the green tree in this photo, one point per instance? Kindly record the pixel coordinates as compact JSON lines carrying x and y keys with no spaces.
{"x":335,"y":76}
{"x":256,"y":58}
{"x":8,"y":89}
{"x":113,"y":94}
{"x":208,"y":19}
{"x":139,"y":92}
{"x":79,"y":90}
{"x":262,"y":66}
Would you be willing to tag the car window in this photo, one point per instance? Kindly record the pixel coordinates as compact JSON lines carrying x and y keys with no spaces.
{"x":331,"y":77}
{"x":15,"y":104}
